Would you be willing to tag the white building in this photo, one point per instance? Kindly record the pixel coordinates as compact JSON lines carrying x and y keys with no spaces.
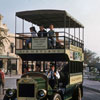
{"x":9,"y":61}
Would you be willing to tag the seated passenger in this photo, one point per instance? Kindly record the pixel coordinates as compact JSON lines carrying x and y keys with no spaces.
{"x":53,"y":76}
{"x":51,"y":31}
{"x":24,"y":67}
{"x":42,"y":32}
{"x":59,"y":43}
{"x":51,"y":34}
{"x":38,"y":69}
{"x":38,"y":66}
{"x":33,"y":34}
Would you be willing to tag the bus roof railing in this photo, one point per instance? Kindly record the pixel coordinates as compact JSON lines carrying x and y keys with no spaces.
{"x":59,"y":18}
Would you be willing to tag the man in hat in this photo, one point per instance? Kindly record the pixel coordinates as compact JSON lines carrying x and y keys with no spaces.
{"x":53,"y":76}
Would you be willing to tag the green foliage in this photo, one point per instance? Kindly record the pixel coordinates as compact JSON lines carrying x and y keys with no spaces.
{"x":90,"y":57}
{"x":92,"y":60}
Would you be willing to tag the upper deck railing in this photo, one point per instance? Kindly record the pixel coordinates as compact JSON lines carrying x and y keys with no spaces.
{"x":24,"y":41}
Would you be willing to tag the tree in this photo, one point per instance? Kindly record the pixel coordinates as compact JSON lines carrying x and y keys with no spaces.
{"x":97,"y":65}
{"x":90,"y":57}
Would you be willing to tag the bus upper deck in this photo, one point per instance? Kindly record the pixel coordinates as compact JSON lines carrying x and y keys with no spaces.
{"x":68,"y":38}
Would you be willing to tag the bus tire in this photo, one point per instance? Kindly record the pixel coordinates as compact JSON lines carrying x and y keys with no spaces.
{"x":57,"y":97}
{"x":7,"y":98}
{"x":79,"y":94}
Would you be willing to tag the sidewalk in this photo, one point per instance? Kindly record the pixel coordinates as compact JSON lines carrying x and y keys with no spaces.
{"x":92,"y":85}
{"x":10,"y":79}
{"x":12,"y":76}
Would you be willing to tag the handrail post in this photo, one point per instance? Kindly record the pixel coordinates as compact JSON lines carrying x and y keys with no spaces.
{"x":69,"y":32}
{"x":64,"y":30}
{"x":15,"y":31}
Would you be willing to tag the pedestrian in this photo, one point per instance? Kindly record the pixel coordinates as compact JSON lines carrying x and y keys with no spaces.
{"x":1,"y":81}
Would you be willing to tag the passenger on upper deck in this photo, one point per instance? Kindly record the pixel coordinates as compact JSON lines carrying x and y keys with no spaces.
{"x":51,"y":34}
{"x":33,"y":34}
{"x":42,"y":32}
{"x":51,"y":31}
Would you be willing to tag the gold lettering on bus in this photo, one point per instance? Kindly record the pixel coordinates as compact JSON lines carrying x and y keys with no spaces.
{"x":39,"y":51}
{"x":75,"y":79}
{"x":74,"y":48}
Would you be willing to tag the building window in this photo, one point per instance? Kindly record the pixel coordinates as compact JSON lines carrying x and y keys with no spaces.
{"x":1,"y":63}
{"x":12,"y":47}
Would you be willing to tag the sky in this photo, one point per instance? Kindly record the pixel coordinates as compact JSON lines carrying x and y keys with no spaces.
{"x":85,"y":11}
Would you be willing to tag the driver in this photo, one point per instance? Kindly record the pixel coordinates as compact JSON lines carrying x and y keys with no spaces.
{"x":52,"y":75}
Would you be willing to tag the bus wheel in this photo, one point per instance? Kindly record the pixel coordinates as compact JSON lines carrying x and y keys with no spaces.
{"x":77,"y":94}
{"x":5,"y":98}
{"x":57,"y":97}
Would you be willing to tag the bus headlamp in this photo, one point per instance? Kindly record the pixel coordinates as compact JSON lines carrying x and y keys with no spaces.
{"x":42,"y":93}
{"x":10,"y":92}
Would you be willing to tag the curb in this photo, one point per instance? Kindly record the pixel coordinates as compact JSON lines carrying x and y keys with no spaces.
{"x":12,"y":77}
{"x":92,"y":89}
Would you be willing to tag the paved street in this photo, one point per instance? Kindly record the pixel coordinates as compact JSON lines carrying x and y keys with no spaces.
{"x":88,"y":94}
{"x":91,"y":95}
{"x":10,"y":83}
{"x":94,"y":85}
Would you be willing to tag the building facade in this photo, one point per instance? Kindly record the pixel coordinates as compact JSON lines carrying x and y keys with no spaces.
{"x":9,"y":61}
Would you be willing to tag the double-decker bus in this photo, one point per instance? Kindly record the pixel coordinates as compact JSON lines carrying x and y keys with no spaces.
{"x":66,"y":54}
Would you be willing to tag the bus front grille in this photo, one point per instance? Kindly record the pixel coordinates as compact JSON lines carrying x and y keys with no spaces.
{"x":26,"y":90}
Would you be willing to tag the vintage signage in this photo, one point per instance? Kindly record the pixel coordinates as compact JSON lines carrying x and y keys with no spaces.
{"x":74,"y":48}
{"x":39,"y":43}
{"x":75,"y":53}
{"x":75,"y":56}
{"x":71,"y":55}
{"x":75,"y":79}
{"x":38,"y":51}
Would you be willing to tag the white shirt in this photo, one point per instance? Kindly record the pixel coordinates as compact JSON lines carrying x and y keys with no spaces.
{"x":57,"y":75}
{"x":34,"y":34}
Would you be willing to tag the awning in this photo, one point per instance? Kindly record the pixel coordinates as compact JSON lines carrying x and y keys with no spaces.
{"x":7,"y":57}
{"x":59,"y":18}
